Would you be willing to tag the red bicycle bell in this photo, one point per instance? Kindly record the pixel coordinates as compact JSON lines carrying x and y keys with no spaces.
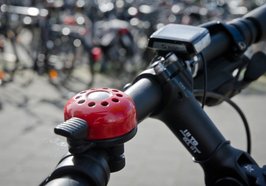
{"x":109,"y":113}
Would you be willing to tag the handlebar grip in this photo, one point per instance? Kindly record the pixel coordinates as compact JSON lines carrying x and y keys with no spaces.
{"x":258,"y":17}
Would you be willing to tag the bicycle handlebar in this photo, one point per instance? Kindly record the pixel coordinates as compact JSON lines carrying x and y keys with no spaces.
{"x":240,"y":33}
{"x":26,"y":11}
{"x":77,"y":170}
{"x":185,"y":118}
{"x":145,"y":86}
{"x":258,"y":17}
{"x":69,"y":180}
{"x":249,"y":27}
{"x":162,"y":95}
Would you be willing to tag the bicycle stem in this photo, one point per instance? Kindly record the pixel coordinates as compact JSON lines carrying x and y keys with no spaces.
{"x":176,"y":106}
{"x":181,"y":112}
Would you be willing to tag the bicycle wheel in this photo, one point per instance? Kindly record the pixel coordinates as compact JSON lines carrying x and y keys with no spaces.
{"x":119,"y":66}
{"x":16,"y":60}
{"x":68,"y":65}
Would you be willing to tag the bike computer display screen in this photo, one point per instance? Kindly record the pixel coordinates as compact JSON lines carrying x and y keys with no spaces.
{"x":183,"y":39}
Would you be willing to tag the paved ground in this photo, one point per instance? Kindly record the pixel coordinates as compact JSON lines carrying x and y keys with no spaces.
{"x":30,"y":150}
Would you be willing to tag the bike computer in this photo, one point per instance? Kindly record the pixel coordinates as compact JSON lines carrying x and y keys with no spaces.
{"x":183,"y":39}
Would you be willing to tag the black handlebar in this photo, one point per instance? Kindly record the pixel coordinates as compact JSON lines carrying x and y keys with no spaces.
{"x":87,"y":169}
{"x":69,"y":180}
{"x":178,"y":109}
{"x":239,"y":33}
{"x":258,"y":17}
{"x":165,"y":97}
{"x":147,"y":94}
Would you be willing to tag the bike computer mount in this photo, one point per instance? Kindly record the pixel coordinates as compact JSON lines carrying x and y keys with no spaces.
{"x":184,"y":40}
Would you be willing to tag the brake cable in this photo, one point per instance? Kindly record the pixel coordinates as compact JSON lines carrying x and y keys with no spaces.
{"x":235,"y":106}
{"x":205,"y":80}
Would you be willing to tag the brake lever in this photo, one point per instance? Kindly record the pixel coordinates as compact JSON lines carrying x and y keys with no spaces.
{"x":256,"y":67}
